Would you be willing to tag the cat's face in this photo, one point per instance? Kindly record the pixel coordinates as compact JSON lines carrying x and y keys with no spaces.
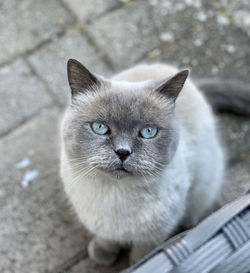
{"x":124,"y":129}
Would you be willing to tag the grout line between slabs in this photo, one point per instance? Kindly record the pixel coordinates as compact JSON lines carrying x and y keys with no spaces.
{"x":43,"y":43}
{"x":27,"y":120}
{"x":25,"y":53}
{"x":69,"y":11}
{"x":83,"y":28}
{"x":44,"y":83}
{"x":99,"y":51}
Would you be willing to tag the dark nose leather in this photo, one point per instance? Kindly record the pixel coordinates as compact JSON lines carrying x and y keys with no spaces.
{"x":123,"y":153}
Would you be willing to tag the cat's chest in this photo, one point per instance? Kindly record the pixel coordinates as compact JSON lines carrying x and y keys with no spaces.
{"x":106,"y":203}
{"x":121,"y":213}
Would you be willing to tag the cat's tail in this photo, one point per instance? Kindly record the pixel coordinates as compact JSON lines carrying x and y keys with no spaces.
{"x":227,"y":95}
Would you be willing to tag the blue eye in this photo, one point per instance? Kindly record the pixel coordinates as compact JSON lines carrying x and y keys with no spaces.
{"x":148,"y":132}
{"x":99,"y":128}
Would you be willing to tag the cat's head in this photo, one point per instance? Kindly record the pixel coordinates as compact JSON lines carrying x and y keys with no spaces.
{"x":120,"y":128}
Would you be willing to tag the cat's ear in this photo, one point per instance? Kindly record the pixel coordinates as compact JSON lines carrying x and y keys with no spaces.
{"x":80,"y":78}
{"x":172,"y":87}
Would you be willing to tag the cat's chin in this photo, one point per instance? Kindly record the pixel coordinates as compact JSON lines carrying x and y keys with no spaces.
{"x":118,"y":173}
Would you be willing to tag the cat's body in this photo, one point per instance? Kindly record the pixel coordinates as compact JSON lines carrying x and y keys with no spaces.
{"x":146,"y":209}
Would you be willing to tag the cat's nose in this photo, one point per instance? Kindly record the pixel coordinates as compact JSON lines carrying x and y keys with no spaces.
{"x":123,"y":153}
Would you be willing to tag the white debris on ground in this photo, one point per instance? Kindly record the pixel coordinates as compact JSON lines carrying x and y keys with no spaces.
{"x":28,"y":177}
{"x":242,"y":19}
{"x":23,"y":164}
{"x":201,"y":16}
{"x":198,"y":42}
{"x":230,"y":48}
{"x":215,"y":70}
{"x":167,"y":37}
{"x":223,"y":20}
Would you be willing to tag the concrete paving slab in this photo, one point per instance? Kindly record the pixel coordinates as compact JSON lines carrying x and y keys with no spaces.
{"x":38,"y":231}
{"x":26,"y":24}
{"x":203,"y":35}
{"x":86,"y":10}
{"x":22,"y":95}
{"x":51,"y":62}
{"x":237,"y":180}
{"x":235,"y":135}
{"x":126,"y":34}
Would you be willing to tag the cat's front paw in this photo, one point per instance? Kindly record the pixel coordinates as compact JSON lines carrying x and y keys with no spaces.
{"x":103,"y":252}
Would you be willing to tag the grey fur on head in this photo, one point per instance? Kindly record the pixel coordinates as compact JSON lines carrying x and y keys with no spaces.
{"x":125,"y":108}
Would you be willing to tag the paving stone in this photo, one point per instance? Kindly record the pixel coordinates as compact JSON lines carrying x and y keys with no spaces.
{"x":235,"y":135}
{"x":90,"y":9}
{"x":207,"y":36}
{"x":38,"y":232}
{"x":237,"y":181}
{"x":126,"y":34}
{"x":22,"y":95}
{"x":235,"y":138}
{"x":25,"y":24}
{"x":51,"y":62}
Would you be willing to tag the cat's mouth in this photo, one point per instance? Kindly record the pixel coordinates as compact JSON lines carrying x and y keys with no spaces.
{"x":119,"y":172}
{"x":122,"y":169}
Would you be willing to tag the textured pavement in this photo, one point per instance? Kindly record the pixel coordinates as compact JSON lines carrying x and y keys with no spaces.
{"x":38,"y":229}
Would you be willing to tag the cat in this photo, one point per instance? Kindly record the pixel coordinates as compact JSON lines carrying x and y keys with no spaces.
{"x":140,"y":156}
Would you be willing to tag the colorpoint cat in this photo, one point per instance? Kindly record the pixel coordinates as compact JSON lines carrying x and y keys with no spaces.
{"x":140,"y":156}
